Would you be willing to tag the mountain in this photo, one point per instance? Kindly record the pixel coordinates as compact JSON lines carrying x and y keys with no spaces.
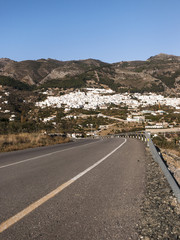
{"x":160,"y":73}
{"x":164,"y":57}
{"x":36,"y":72}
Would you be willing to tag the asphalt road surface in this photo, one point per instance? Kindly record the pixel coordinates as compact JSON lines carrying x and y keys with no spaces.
{"x":89,"y":189}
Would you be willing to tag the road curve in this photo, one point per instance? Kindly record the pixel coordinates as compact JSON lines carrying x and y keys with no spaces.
{"x":90,"y":189}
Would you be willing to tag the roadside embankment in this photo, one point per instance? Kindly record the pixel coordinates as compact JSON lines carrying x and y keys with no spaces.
{"x":172,"y":159}
{"x":12,"y":142}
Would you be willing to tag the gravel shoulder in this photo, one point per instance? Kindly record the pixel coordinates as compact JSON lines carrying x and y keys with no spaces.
{"x":160,"y":210}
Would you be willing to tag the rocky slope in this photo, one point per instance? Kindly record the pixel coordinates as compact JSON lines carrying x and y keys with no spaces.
{"x":160,"y":73}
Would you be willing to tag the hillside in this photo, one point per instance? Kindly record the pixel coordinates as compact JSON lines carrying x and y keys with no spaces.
{"x":39,"y":71}
{"x":161,"y":70}
{"x":160,"y":73}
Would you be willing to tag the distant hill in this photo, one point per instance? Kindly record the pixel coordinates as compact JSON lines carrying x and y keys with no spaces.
{"x":160,"y":73}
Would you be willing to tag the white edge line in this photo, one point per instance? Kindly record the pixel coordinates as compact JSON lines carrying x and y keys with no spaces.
{"x":11,"y":221}
{"x":48,"y":154}
{"x":97,"y":163}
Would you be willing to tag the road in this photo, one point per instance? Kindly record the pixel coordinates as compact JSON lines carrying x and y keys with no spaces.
{"x":163,"y":130}
{"x":89,"y":189}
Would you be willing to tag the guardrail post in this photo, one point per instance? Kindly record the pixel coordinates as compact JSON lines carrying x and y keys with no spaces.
{"x":148,"y":136}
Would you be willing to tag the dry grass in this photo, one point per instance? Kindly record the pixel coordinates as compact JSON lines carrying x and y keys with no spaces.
{"x":14,"y":142}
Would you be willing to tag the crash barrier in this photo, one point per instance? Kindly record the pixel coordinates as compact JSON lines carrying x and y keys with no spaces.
{"x":146,"y":137}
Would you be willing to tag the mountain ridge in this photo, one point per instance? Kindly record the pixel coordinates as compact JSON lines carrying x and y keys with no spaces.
{"x":159,"y":73}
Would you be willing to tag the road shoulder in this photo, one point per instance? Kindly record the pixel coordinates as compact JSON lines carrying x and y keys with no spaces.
{"x":160,"y":210}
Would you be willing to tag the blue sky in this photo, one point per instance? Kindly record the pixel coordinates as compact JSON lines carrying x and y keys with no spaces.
{"x":108,"y":30}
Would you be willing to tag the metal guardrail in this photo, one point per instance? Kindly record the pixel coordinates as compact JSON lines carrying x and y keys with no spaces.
{"x":146,"y":137}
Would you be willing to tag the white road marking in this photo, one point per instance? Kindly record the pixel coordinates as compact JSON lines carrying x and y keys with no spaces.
{"x":48,"y":154}
{"x":5,"y":225}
